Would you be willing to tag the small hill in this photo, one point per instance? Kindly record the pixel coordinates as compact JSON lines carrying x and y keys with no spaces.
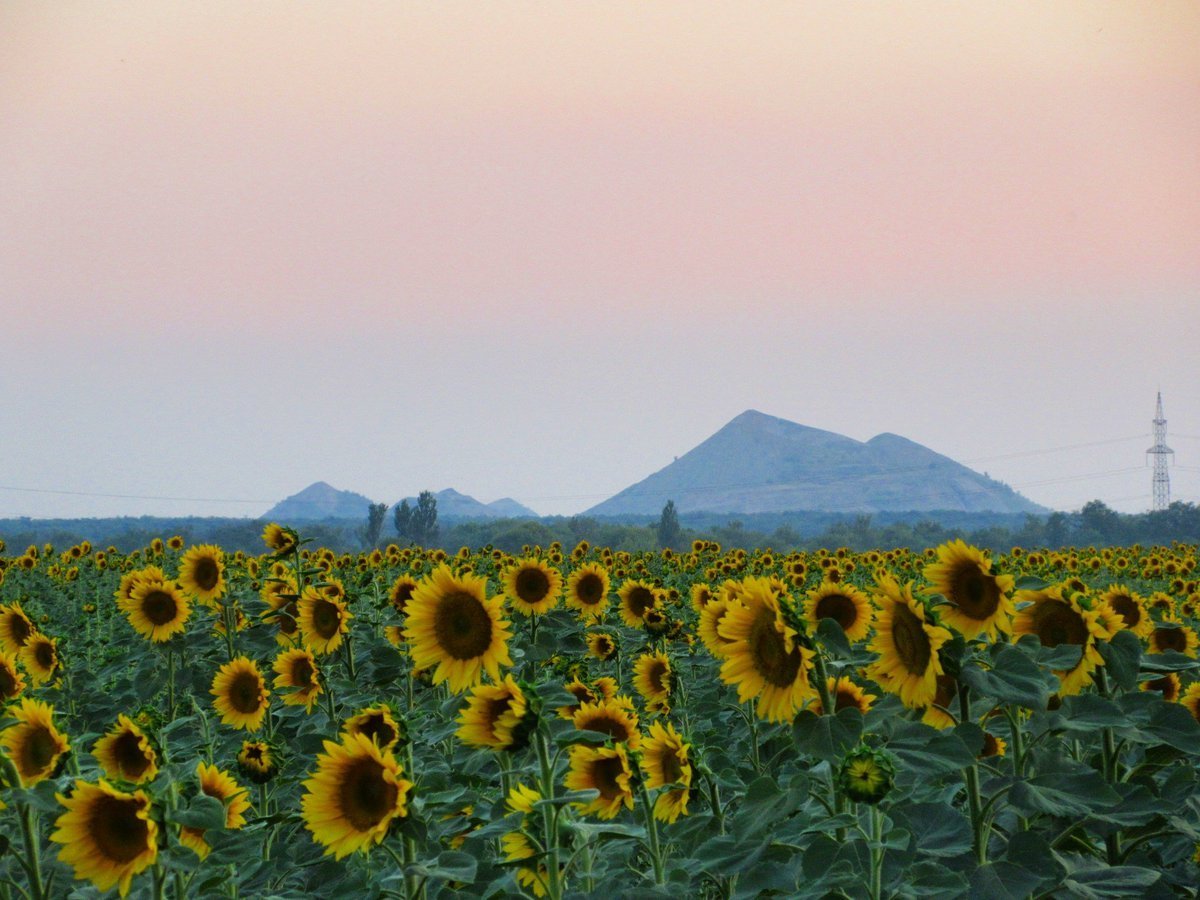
{"x":320,"y":501}
{"x":453,"y":505}
{"x":759,"y":463}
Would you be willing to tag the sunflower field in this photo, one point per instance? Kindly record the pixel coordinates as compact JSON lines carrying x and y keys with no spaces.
{"x":185,"y":722}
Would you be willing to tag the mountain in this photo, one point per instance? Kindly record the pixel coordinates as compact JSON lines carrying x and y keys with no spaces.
{"x":453,"y":505}
{"x":759,"y":463}
{"x":320,"y":501}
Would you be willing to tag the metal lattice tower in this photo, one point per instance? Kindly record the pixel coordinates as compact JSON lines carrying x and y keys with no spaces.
{"x":1160,"y":451}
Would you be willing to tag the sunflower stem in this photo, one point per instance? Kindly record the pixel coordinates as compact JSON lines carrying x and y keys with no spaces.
{"x":876,"y":853}
{"x":30,"y":837}
{"x":971,"y":778}
{"x":652,"y":831}
{"x":553,"y":876}
{"x":714,"y":798}
{"x":350,"y":657}
{"x":1111,"y":764}
{"x":170,"y":684}
{"x":226,"y":608}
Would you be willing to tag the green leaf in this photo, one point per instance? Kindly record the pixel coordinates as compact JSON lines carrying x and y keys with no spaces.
{"x":1013,"y":678}
{"x":1090,"y":712}
{"x":1170,"y":661}
{"x":827,"y":737}
{"x":1031,"y":583}
{"x":1172,"y":724}
{"x":1122,"y":655}
{"x":924,"y":752}
{"x":1003,"y":880}
{"x":930,"y":879}
{"x":938,"y":829}
{"x":1063,"y":794}
{"x":833,"y":637}
{"x":453,"y":865}
{"x":203,"y":812}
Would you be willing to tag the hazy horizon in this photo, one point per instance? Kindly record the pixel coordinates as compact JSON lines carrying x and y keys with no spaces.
{"x":538,"y":251}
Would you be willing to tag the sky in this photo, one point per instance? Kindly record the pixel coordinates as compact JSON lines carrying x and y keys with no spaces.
{"x":540,"y":249}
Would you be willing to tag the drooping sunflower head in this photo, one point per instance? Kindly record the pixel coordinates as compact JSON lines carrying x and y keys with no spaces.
{"x":298,"y":677}
{"x":40,"y":657}
{"x":665,"y":761}
{"x":377,"y":723}
{"x":603,"y":769}
{"x":15,"y":628}
{"x":907,"y":644}
{"x":157,"y":610}
{"x":401,"y":592}
{"x":636,"y":598}
{"x":257,"y":761}
{"x":601,"y":645}
{"x":615,"y":718}
{"x":324,"y":621}
{"x":532,"y":586}
{"x":1168,"y":685}
{"x":108,"y":836}
{"x":241,"y":695}
{"x":125,"y":753}
{"x":1191,"y":700}
{"x":353,"y":796}
{"x":843,"y":603}
{"x":452,"y":625}
{"x":279,"y":540}
{"x":652,"y":678}
{"x":33,"y":744}
{"x":496,"y":717}
{"x":202,"y":573}
{"x":844,"y":694}
{"x":12,"y":682}
{"x":978,"y":600}
{"x":1170,"y":635}
{"x":587,"y":590}
{"x":221,"y":785}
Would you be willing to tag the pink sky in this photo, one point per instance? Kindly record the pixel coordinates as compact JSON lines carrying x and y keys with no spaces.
{"x":233,"y":184}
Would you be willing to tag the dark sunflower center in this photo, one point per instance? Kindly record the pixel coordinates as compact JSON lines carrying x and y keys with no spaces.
{"x":245,"y":693}
{"x":1125,"y":607}
{"x":606,"y":724}
{"x":912,"y":644}
{"x":772,"y":660}
{"x":326,"y":618}
{"x":116,"y":830}
{"x":463,"y":627}
{"x":845,"y":699}
{"x":977,"y":595}
{"x":947,"y":690}
{"x":605,"y":773}
{"x":838,"y":607}
{"x":604,"y":646}
{"x":44,"y":653}
{"x":660,"y":677}
{"x":672,"y":770}
{"x":702,"y":597}
{"x":302,"y":673}
{"x":1167,"y":686}
{"x":8,"y":683}
{"x":1170,"y":639}
{"x":582,"y":693}
{"x":532,"y":585}
{"x":364,"y":796}
{"x":589,"y":590}
{"x":159,"y":607}
{"x":492,"y":712}
{"x":401,"y":595}
{"x":640,"y":600}
{"x":1058,"y":624}
{"x":990,"y":746}
{"x":206,"y":573}
{"x":131,"y":759}
{"x":20,"y":628}
{"x":40,"y":748}
{"x":378,"y":729}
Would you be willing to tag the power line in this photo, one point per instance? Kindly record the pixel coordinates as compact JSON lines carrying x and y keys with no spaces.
{"x":5,"y":487}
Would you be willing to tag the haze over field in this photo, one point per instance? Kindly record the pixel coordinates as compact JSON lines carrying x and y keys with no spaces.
{"x":537,"y":250}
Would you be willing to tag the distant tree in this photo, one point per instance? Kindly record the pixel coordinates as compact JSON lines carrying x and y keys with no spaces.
{"x":402,"y":519}
{"x":375,"y":514}
{"x":1100,"y":521}
{"x":1056,"y":530}
{"x":423,"y":525}
{"x":669,"y":531}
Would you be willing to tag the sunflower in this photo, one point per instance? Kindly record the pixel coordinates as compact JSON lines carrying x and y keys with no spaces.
{"x":12,"y":682}
{"x":993,"y":745}
{"x":532,"y":587}
{"x":517,"y":847}
{"x":907,"y":644}
{"x":587,"y":590}
{"x":603,"y":769}
{"x":582,"y":692}
{"x":297,"y":668}
{"x":939,"y":713}
{"x":652,"y":679}
{"x":257,"y":761}
{"x":1167,"y":685}
{"x":846,"y":605}
{"x":454,"y":626}
{"x":636,"y":598}
{"x":278,"y":539}
{"x":1191,"y":700}
{"x":126,"y":754}
{"x":763,"y":659}
{"x":709,"y":628}
{"x":1131,"y":608}
{"x":15,"y":628}
{"x":108,"y":836}
{"x":978,"y":600}
{"x":323,"y":620}
{"x":845,"y":694}
{"x":377,"y":724}
{"x":241,"y":694}
{"x":1056,"y":617}
{"x":234,"y":797}
{"x":156,"y":609}
{"x":614,"y":717}
{"x":700,"y":595}
{"x":401,"y":592}
{"x":202,"y":573}
{"x":33,"y":744}
{"x":40,"y":657}
{"x":866,"y":774}
{"x":1167,"y":635}
{"x":353,"y":796}
{"x":665,"y":762}
{"x":496,"y":717}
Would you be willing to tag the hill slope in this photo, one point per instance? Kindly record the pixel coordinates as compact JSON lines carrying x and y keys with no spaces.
{"x":759,"y":463}
{"x":454,"y":505}
{"x":320,"y":501}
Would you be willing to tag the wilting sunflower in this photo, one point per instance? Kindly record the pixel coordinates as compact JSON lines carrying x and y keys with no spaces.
{"x":278,"y":539}
{"x":652,"y":679}
{"x":709,"y":628}
{"x":33,"y":743}
{"x":126,"y":754}
{"x":979,"y":601}
{"x":614,"y":717}
{"x":12,"y":682}
{"x":845,"y":694}
{"x":1056,"y":617}
{"x":1131,"y":608}
{"x":241,"y":694}
{"x":453,"y":625}
{"x":603,"y":769}
{"x":1167,"y":635}
{"x":496,"y":717}
{"x":40,"y":657}
{"x":352,"y":797}
{"x":324,"y":621}
{"x":532,"y":587}
{"x":202,"y":573}
{"x":108,"y":836}
{"x":377,"y":724}
{"x":907,"y":644}
{"x":156,"y":609}
{"x":601,"y":645}
{"x":665,"y":762}
{"x":762,"y":658}
{"x":843,"y":603}
{"x":257,"y":761}
{"x":297,"y":668}
{"x":587,"y":590}
{"x":401,"y":592}
{"x":636,"y":598}
{"x":15,"y":628}
{"x":234,"y":797}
